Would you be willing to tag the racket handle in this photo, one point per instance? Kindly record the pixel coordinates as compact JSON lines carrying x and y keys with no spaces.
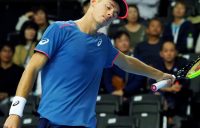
{"x":161,"y":84}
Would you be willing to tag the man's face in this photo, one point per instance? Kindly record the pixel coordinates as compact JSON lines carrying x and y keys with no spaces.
{"x":154,"y":28}
{"x":104,"y":11}
{"x":40,"y":17}
{"x":168,"y":52}
{"x":123,"y":43}
{"x":179,"y":11}
{"x":6,"y":54}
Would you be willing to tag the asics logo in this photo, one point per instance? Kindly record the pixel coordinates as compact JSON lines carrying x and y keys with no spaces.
{"x":99,"y":42}
{"x":16,"y":103}
{"x":44,"y":41}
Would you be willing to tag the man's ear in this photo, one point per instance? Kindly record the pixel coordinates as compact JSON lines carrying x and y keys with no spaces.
{"x":93,"y":2}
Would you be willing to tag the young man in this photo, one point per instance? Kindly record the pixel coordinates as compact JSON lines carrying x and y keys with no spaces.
{"x":10,"y":73}
{"x":177,"y":95}
{"x":148,"y":50}
{"x":75,"y":47}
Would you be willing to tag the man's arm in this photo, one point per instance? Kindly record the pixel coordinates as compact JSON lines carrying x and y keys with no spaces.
{"x":133,"y":65}
{"x":25,"y":85}
{"x":27,"y":80}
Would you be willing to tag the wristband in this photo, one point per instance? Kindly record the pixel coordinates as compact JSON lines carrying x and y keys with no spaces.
{"x":17,"y":106}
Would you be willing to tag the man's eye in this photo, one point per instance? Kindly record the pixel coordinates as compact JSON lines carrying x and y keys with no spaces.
{"x":108,"y":7}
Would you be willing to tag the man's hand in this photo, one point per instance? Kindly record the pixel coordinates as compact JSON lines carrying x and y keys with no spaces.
{"x":117,"y":82}
{"x":166,"y":76}
{"x":175,"y":88}
{"x":29,"y":14}
{"x":13,"y":121}
{"x":118,"y":93}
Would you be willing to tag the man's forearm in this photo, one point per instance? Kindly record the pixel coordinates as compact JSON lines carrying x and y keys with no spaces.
{"x":26,"y":82}
{"x":136,"y":66}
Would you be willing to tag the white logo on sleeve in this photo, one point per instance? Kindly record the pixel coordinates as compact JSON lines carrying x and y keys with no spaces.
{"x":99,"y":42}
{"x":44,"y":41}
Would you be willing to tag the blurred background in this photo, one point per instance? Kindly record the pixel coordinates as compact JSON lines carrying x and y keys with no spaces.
{"x":161,"y":33}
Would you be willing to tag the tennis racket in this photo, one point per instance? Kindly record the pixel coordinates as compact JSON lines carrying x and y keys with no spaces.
{"x":190,"y":71}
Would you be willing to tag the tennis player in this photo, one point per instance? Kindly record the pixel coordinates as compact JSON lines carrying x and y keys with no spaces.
{"x":72,"y":56}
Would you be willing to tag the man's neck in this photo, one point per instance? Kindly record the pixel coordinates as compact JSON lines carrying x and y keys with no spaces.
{"x":87,"y":25}
{"x":153,"y":39}
{"x":169,"y":65}
{"x":126,"y":52}
{"x":6,"y":65}
{"x":178,"y":20}
{"x":42,"y":27}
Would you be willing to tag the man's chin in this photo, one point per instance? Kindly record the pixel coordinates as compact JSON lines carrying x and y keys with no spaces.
{"x":169,"y":60}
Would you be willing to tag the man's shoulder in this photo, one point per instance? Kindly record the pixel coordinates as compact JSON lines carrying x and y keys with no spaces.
{"x":181,"y":60}
{"x":63,"y":24}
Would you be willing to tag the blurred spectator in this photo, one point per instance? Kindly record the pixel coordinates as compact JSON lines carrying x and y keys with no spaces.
{"x":117,"y":81}
{"x":177,"y":95}
{"x":133,"y":27}
{"x":86,"y":5}
{"x":148,"y":8}
{"x":193,"y":7}
{"x":148,"y":50}
{"x":28,"y":36}
{"x":10,"y":73}
{"x":180,"y":30}
{"x":39,"y":16}
{"x":197,"y":48}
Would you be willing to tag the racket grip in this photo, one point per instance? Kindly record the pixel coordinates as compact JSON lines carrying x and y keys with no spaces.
{"x":161,"y":84}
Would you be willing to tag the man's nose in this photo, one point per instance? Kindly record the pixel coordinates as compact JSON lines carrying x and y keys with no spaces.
{"x":110,"y":14}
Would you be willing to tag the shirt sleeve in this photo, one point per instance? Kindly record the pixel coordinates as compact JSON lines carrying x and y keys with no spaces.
{"x":50,"y":41}
{"x":112,"y":54}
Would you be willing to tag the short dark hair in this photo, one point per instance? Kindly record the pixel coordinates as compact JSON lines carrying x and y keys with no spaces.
{"x":119,"y":33}
{"x":167,"y":41}
{"x":35,"y":9}
{"x":86,"y":2}
{"x":138,"y":12}
{"x":8,"y":44}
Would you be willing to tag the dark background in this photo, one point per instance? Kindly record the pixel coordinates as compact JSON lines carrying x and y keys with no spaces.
{"x":11,"y":10}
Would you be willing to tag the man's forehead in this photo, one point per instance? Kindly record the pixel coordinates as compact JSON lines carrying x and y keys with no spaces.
{"x":115,"y":4}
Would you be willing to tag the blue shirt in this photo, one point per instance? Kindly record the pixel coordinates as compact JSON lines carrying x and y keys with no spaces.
{"x":71,"y":77}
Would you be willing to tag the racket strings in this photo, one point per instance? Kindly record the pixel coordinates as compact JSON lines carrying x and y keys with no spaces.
{"x":183,"y":72}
